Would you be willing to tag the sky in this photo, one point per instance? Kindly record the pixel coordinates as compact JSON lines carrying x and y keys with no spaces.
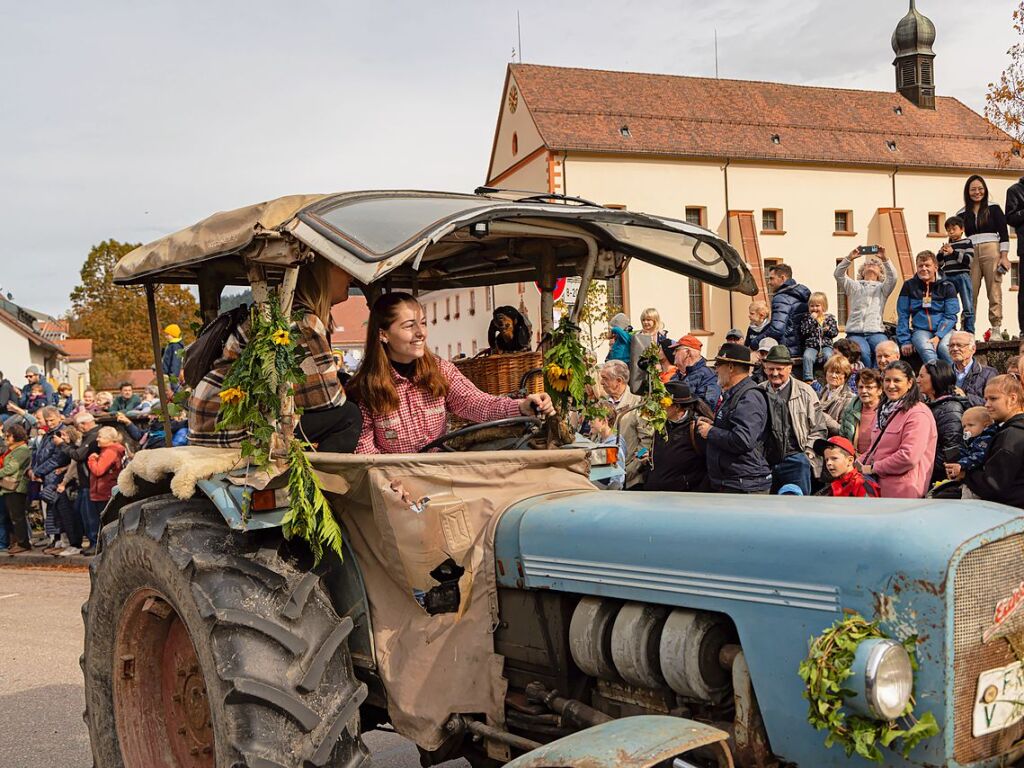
{"x":131,"y":120}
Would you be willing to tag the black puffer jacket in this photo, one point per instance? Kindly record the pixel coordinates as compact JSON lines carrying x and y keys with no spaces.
{"x":948,"y":412}
{"x":999,"y":478}
{"x":1015,"y":212}
{"x":789,"y":305}
{"x":678,"y":460}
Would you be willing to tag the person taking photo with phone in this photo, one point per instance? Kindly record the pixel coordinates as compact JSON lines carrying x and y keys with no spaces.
{"x":866,"y":297}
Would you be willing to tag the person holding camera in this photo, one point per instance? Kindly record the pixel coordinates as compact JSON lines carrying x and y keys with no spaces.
{"x":866,"y":297}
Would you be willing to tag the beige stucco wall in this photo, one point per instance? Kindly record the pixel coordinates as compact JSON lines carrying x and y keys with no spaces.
{"x":15,"y":355}
{"x":530,"y":177}
{"x":470,"y":328}
{"x":808,"y":197}
{"x":520,"y":123}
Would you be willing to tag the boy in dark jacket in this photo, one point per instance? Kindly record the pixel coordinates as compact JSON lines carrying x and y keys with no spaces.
{"x":926,"y":312}
{"x":955,"y":259}
{"x":789,"y":305}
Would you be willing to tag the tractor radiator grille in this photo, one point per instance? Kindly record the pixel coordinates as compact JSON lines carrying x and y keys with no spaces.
{"x":984,"y":577}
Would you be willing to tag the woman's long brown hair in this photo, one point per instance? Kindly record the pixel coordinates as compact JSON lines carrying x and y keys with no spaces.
{"x":373,"y":385}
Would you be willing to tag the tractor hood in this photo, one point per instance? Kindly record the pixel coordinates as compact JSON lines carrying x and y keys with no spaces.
{"x":434,"y":240}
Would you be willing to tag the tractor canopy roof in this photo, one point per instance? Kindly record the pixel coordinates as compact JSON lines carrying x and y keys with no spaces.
{"x":433,"y":240}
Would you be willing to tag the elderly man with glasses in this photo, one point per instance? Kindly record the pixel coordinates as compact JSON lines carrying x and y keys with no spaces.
{"x":971,"y":376}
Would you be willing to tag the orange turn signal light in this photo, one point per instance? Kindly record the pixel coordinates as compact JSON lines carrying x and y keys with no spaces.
{"x":264,"y":501}
{"x":612,"y":455}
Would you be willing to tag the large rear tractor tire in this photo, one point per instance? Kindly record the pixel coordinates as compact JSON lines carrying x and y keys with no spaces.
{"x":210,"y":648}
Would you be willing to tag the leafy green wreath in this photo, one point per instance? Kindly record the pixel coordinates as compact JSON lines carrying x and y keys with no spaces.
{"x":250,"y":400}
{"x":827,"y":666}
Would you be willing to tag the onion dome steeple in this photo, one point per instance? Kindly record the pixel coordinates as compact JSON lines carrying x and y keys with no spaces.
{"x":914,"y":62}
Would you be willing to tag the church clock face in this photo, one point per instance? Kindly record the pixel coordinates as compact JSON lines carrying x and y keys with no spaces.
{"x":513,"y":99}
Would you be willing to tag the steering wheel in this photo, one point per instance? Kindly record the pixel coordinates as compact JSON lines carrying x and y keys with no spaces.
{"x":531,"y":426}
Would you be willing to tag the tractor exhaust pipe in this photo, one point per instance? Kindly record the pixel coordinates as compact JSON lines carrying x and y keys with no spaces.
{"x":573,"y":710}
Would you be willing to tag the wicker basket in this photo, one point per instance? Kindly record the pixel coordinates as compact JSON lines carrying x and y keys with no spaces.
{"x":501,"y":374}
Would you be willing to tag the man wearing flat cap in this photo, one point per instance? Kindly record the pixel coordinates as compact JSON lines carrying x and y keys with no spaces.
{"x":737,"y":434}
{"x":796,"y":422}
{"x":678,"y":458}
{"x":693,"y":370}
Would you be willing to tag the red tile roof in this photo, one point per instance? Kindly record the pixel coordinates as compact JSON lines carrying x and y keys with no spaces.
{"x":585,"y":110}
{"x":77,"y":350}
{"x":350,"y":318}
{"x":29,"y":333}
{"x":140,"y":378}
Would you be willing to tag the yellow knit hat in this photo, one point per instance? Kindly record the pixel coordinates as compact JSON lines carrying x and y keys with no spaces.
{"x":173,"y":332}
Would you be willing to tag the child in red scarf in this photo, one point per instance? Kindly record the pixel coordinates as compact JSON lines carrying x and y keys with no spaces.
{"x":839,"y":454}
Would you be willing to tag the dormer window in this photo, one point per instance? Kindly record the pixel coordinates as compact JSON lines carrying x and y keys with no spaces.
{"x":624,"y":132}
{"x":891,"y":146}
{"x":776,"y":139}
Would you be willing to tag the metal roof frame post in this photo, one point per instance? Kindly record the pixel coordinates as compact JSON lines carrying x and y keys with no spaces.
{"x":161,"y":382}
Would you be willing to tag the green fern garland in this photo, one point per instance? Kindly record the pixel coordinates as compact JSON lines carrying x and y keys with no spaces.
{"x":250,"y":401}
{"x":828,"y":664}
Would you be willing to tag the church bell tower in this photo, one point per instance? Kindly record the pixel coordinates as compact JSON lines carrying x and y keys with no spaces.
{"x":915,"y":59}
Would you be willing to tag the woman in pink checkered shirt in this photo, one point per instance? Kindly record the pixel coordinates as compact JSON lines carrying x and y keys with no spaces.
{"x":405,"y":392}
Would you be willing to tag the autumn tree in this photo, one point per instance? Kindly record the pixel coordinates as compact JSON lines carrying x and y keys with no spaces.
{"x":115,"y":317}
{"x":1004,"y":102}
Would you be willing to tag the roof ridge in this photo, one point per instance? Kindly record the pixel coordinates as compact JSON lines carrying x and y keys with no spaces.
{"x":895,"y":94}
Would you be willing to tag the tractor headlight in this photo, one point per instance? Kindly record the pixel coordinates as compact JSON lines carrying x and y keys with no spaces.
{"x":883,"y":679}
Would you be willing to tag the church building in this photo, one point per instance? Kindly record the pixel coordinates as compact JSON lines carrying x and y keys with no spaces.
{"x":786,"y":173}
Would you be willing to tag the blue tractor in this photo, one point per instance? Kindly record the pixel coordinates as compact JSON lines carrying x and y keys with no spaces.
{"x":511,"y":612}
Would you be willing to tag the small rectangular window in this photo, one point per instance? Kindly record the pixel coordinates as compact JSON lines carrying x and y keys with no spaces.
{"x":488,"y":299}
{"x":844,"y":222}
{"x":771,"y":221}
{"x":935,"y":223}
{"x":1014,"y":275}
{"x":472,"y":302}
{"x":842,"y":308}
{"x":615,"y":298}
{"x":696,"y":215}
{"x":458,"y":348}
{"x":474,"y":347}
{"x":433,"y":308}
{"x":457,"y":304}
{"x":521,"y":288}
{"x":449,"y":351}
{"x":448,"y":311}
{"x":697,"y":309}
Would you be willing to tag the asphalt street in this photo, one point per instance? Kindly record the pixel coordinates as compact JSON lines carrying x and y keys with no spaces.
{"x":41,"y":692}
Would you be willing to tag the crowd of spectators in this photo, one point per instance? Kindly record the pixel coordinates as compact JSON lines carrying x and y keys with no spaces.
{"x":950,"y":426}
{"x":61,"y":456}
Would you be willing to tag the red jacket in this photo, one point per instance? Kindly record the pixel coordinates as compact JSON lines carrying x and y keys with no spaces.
{"x":104,"y":467}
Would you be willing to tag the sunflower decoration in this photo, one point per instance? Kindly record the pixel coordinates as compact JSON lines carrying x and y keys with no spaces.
{"x":566,"y":372}
{"x":652,"y":406}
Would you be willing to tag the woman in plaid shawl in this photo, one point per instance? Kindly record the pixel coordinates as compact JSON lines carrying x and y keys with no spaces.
{"x":328,"y":419}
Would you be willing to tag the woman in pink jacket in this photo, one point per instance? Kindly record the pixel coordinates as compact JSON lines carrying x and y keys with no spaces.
{"x":903,"y":439}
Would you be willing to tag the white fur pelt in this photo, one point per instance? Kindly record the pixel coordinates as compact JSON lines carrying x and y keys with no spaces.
{"x":187,"y":465}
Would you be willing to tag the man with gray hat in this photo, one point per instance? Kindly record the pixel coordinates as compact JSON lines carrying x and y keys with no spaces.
{"x":678,"y":460}
{"x":737,"y":434}
{"x":796,"y":423}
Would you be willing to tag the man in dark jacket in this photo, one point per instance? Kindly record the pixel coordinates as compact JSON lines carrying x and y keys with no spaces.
{"x":1014,"y":209}
{"x":678,"y":460}
{"x":736,"y":437}
{"x":7,"y":395}
{"x":926,"y":312}
{"x":85,"y":422}
{"x":1000,"y":478}
{"x":971,"y":376}
{"x":692,"y":369}
{"x":789,"y":305}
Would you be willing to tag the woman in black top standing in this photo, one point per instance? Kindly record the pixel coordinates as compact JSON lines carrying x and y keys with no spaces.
{"x":985,"y":224}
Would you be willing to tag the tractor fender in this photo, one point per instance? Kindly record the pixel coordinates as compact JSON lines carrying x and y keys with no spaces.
{"x":629,"y":742}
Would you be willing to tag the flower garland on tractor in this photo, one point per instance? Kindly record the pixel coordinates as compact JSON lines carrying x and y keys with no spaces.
{"x":828,"y":664}
{"x":567,"y":372}
{"x":250,"y":400}
{"x":656,"y":400}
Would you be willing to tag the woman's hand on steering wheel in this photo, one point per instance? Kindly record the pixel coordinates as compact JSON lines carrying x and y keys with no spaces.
{"x":537,"y":404}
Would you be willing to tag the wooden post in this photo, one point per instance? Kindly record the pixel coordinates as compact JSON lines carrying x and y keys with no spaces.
{"x":154,"y":331}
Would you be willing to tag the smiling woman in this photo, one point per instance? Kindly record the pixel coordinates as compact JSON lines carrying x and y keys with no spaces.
{"x":405,"y":391}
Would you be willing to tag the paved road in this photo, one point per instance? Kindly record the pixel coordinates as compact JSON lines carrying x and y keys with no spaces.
{"x":41,"y":695}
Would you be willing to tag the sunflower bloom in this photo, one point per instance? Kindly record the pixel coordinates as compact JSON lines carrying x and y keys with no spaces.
{"x":666,"y":402}
{"x":281,"y":338}
{"x":231,"y":395}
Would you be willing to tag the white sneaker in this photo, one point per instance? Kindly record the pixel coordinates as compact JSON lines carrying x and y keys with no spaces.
{"x":68,"y":551}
